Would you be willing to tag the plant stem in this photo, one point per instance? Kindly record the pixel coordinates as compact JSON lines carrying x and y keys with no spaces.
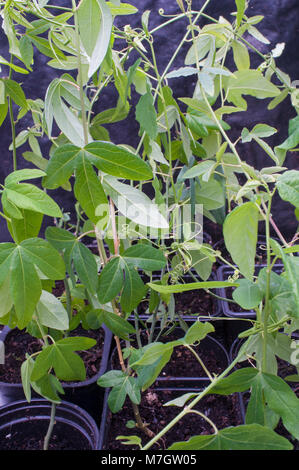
{"x":205,"y":418}
{"x":68,"y":299}
{"x":80,"y":79}
{"x":200,"y":361}
{"x":12,"y":122}
{"x":267,"y":296}
{"x":189,"y":407}
{"x":50,"y":428}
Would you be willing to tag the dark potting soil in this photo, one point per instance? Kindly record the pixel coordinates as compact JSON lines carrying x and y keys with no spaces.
{"x":30,"y":436}
{"x":223,"y":411}
{"x":18,"y":343}
{"x":192,"y":304}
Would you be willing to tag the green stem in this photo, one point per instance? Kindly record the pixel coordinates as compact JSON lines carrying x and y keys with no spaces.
{"x":190,"y":406}
{"x":267,"y":296}
{"x":50,"y":428}
{"x":80,"y":79}
{"x":12,"y":122}
{"x":68,"y":299}
{"x":208,"y":420}
{"x":200,"y":361}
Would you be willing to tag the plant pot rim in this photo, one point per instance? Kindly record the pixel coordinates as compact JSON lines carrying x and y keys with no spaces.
{"x":222,"y":291}
{"x":85,"y":422}
{"x":200,"y":380}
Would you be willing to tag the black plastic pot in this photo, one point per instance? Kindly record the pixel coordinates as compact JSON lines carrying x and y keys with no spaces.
{"x":208,"y":347}
{"x":86,"y":394}
{"x":23,"y":424}
{"x":223,"y":273}
{"x":173,"y":392}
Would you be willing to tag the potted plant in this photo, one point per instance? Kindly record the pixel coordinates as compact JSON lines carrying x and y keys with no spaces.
{"x":184,"y":159}
{"x":241,"y":228}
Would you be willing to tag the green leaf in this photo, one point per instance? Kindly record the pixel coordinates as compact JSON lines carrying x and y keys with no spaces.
{"x":238,"y":381}
{"x":145,"y":257}
{"x":117,"y":396}
{"x":239,"y":230}
{"x":85,"y":266}
{"x":61,"y":166}
{"x":248,"y":295}
{"x":249,"y":82}
{"x":244,"y":437}
{"x":5,"y":296}
{"x":111,"y":280}
{"x":210,"y":194}
{"x":26,"y":370}
{"x":117,"y":161}
{"x":60,"y":355}
{"x":51,"y":312}
{"x":118,"y":325}
{"x":197,"y":332}
{"x":122,"y":9}
{"x":26,"y":227}
{"x":182,"y":400}
{"x":134,"y":204}
{"x":27,"y":196}
{"x":146,"y":115}
{"x":89,"y":191}
{"x":15,"y":91}
{"x":241,"y":8}
{"x":97,"y":18}
{"x":134,"y":290}
{"x":199,"y":169}
{"x":48,"y":386}
{"x":177,"y":288}
{"x":241,"y":55}
{"x":282,"y":400}
{"x":111,"y":378}
{"x":21,"y":175}
{"x":66,"y":120}
{"x":153,"y":352}
{"x":255,"y":412}
{"x":25,"y":286}
{"x":45,"y":257}
{"x":288,"y":187}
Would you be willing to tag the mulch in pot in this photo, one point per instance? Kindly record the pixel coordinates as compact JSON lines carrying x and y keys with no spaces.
{"x":223,"y":411}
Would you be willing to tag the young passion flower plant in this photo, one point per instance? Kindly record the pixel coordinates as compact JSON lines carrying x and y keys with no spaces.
{"x":133,"y":202}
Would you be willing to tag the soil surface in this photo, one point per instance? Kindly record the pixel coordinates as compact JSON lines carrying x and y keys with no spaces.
{"x":29,"y":436}
{"x":18,"y":343}
{"x":223,"y":411}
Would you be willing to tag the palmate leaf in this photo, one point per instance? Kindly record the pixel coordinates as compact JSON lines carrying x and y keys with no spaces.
{"x":249,"y":82}
{"x":120,"y":275}
{"x":61,"y":357}
{"x":107,"y":157}
{"x":76,"y":252}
